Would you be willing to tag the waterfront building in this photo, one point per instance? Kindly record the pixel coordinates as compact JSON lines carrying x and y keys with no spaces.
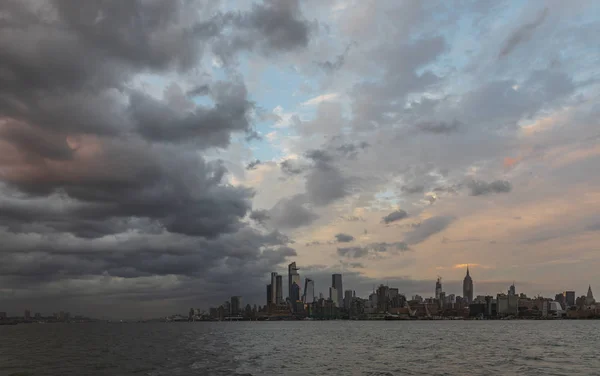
{"x":347,"y":299}
{"x":269,"y":291}
{"x":309,"y":291}
{"x":560,"y":298}
{"x":27,"y":314}
{"x":273,"y":299}
{"x":236,"y":305}
{"x":382,"y":298}
{"x":438,"y":288}
{"x":336,"y":282}
{"x":589,"y":299}
{"x":333,"y":295}
{"x":468,"y":288}
{"x":569,"y":298}
{"x":295,"y":293}
{"x":507,"y":305}
{"x":279,"y":289}
{"x":293,"y":277}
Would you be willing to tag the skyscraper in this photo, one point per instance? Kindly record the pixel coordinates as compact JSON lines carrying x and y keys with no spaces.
{"x":438,"y":288}
{"x":236,"y":305}
{"x":347,"y":299}
{"x":512,"y":290}
{"x":589,"y":298}
{"x":333,"y":295}
{"x":295,"y":293}
{"x":269,"y":292}
{"x":468,"y":288}
{"x":569,"y":298}
{"x":293,"y":277}
{"x":279,"y":292}
{"x":336,"y":283}
{"x":309,"y":291}
{"x":273,"y":288}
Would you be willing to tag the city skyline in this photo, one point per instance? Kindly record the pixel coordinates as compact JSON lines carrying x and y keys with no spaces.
{"x":161,"y":155}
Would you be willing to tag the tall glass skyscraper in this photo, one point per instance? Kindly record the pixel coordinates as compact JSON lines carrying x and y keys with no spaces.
{"x":273,"y":288}
{"x":309,"y":291}
{"x":279,"y":293}
{"x":293,"y":277}
{"x":336,"y":283}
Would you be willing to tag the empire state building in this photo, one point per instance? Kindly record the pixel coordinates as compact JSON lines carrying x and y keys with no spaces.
{"x":468,"y":287}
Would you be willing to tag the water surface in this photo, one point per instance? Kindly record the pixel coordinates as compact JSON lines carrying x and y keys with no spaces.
{"x":303,"y":348}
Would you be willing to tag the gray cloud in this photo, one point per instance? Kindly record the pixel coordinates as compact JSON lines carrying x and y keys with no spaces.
{"x":331,"y":67}
{"x":344,"y":238}
{"x":353,"y":252}
{"x":290,"y":167}
{"x":427,"y":228}
{"x":414,"y":189}
{"x":292,"y":212}
{"x":438,"y":126}
{"x":479,"y":187}
{"x":102,"y":181}
{"x":260,"y":216}
{"x":522,"y":34}
{"x":252,"y":165}
{"x":395,"y":216}
{"x":372,"y":250}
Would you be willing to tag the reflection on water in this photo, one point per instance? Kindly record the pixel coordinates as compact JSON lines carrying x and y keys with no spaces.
{"x":302,"y":348}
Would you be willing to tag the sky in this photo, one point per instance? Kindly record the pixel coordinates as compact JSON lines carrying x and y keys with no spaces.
{"x":161,"y":155}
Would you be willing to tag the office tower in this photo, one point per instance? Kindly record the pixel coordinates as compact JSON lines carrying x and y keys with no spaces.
{"x":321,"y":296}
{"x":236,"y":305}
{"x":336,"y":283}
{"x":347,"y":299}
{"x":295,"y":294}
{"x":273,"y":288}
{"x":560,"y":298}
{"x":468,"y":288}
{"x":382,"y":298}
{"x":512,"y":290}
{"x":27,"y":314}
{"x":279,"y":292}
{"x":333,"y":295}
{"x":569,"y":298}
{"x":589,"y":298}
{"x":269,"y":291}
{"x":309,"y":291}
{"x":438,"y":288}
{"x":293,"y":277}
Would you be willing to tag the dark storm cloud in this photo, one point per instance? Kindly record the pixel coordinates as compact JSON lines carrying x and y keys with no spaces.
{"x":344,"y":238}
{"x":479,"y":187}
{"x":101,"y":181}
{"x":522,"y":34}
{"x":252,"y":165}
{"x":207,"y":127}
{"x":427,"y":228}
{"x":438,"y":127}
{"x":260,"y":216}
{"x":395,"y":216}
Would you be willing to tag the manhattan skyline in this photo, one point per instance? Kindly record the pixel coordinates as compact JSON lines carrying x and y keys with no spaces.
{"x":161,"y":155}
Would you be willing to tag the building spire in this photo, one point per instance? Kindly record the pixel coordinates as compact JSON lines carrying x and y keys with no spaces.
{"x":467,"y":270}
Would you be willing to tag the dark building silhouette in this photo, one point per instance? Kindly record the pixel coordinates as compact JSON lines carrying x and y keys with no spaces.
{"x":269,"y":292}
{"x":279,"y":289}
{"x":468,"y":288}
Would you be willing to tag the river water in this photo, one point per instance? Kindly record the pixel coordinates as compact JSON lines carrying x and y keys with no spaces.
{"x":303,"y":348}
